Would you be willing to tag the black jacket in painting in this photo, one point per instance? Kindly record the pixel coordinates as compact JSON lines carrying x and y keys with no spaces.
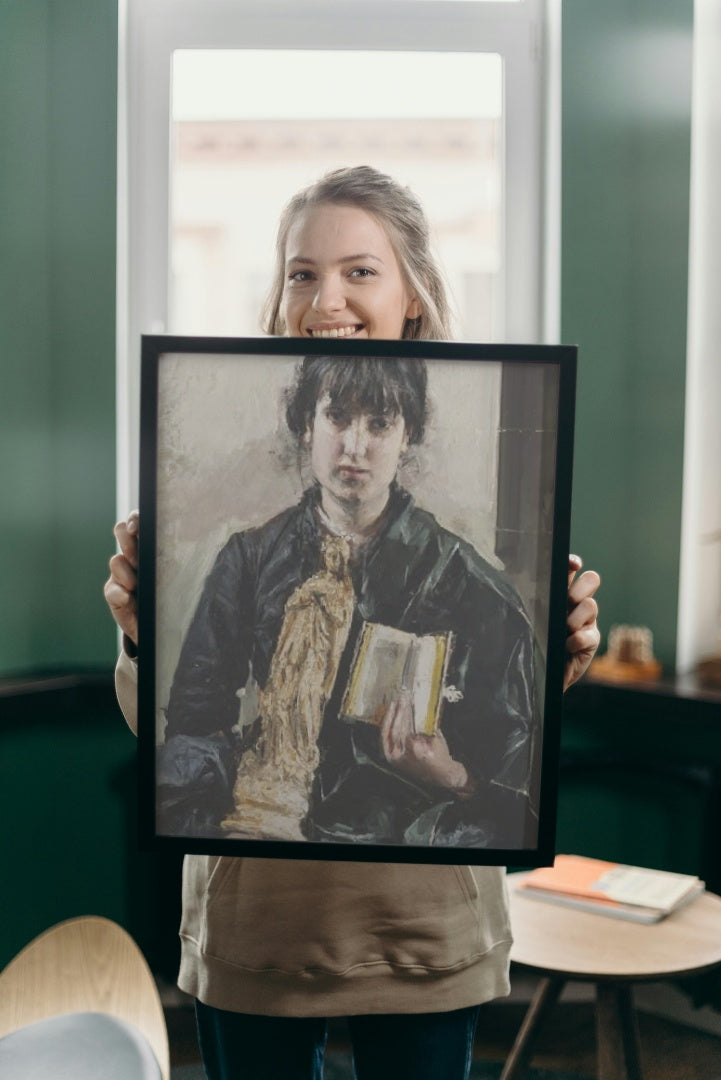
{"x":418,"y":577}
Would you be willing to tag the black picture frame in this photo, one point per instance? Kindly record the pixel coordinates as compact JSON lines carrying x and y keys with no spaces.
{"x":216,"y":466}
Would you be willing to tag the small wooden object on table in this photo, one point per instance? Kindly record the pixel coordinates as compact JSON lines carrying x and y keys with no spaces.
{"x":629,"y":658}
{"x":562,"y":944}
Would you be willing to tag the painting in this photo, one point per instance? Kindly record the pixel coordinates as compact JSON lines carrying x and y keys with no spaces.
{"x":352,"y":597}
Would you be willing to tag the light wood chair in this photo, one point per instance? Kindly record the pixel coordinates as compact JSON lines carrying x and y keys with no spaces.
{"x":86,"y":965}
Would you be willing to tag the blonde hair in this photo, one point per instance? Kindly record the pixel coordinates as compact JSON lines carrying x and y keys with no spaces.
{"x":403,"y":217}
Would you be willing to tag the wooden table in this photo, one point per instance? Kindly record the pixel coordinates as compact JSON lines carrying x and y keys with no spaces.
{"x":563,"y":944}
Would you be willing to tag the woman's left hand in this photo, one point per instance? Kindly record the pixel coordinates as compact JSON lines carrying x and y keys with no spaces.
{"x":423,"y":757}
{"x":583,"y":635}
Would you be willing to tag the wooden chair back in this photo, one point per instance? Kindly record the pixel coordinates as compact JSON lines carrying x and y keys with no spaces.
{"x":86,"y":964}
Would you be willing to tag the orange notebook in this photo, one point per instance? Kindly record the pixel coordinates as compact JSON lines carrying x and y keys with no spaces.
{"x":631,"y":892}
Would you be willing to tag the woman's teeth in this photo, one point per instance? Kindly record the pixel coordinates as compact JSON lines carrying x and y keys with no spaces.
{"x":337,"y":331}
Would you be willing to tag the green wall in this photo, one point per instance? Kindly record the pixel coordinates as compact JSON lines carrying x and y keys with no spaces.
{"x":58,"y":72}
{"x":626,"y":145}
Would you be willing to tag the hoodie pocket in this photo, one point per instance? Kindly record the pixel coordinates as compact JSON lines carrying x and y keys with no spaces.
{"x":302,"y":916}
{"x":468,"y":884}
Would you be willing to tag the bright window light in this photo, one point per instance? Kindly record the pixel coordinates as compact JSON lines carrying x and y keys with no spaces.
{"x":231,"y":84}
{"x":251,"y":127}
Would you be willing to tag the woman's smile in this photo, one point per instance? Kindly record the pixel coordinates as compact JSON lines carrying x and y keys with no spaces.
{"x":342,"y":277}
{"x":335,"y":331}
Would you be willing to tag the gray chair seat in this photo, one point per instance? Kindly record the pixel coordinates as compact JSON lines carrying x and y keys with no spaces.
{"x":78,"y":1046}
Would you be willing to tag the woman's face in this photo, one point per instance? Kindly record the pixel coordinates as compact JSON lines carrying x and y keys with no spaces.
{"x":355,"y":455}
{"x":342,"y":277}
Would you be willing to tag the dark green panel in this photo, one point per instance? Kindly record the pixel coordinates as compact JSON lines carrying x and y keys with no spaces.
{"x":83,"y":128}
{"x":26,"y":451}
{"x":626,"y":145}
{"x":627,"y":817}
{"x":57,"y":324}
{"x":68,"y":798}
{"x":641,"y":777}
{"x":64,"y":787}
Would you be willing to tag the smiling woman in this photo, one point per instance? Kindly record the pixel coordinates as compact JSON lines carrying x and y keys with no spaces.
{"x":453,"y":116}
{"x":339,"y":260}
{"x":353,"y":259}
{"x":297,"y":941}
{"x":231,"y":107}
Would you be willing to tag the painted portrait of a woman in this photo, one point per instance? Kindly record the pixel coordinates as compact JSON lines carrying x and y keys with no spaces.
{"x":289,"y":600}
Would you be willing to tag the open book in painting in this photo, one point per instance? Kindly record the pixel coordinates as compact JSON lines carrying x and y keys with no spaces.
{"x":389,"y":662}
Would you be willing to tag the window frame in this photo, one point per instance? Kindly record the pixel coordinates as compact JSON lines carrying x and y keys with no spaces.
{"x":526,"y":34}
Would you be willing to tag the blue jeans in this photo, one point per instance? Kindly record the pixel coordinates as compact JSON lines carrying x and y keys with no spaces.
{"x":416,"y":1046}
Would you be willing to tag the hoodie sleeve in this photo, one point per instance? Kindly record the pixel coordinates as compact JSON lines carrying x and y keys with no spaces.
{"x":126,"y":689}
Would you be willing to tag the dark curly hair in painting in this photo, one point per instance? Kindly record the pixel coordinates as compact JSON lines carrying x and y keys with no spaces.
{"x":369,"y":384}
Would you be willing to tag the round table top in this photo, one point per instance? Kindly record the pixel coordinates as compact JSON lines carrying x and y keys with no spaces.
{"x":559,"y":940}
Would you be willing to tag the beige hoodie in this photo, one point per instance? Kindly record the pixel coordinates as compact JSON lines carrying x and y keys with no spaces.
{"x":284,"y":937}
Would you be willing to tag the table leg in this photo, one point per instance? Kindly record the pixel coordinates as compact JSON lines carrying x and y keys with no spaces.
{"x":545,"y":997}
{"x":617,"y":1033}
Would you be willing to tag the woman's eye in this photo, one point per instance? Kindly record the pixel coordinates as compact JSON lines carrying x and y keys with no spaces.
{"x":380,"y":424}
{"x":336,"y":416}
{"x":299,"y":276}
{"x":362,"y":272}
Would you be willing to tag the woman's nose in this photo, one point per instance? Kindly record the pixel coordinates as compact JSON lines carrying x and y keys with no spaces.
{"x":329,"y":296}
{"x":355,"y":438}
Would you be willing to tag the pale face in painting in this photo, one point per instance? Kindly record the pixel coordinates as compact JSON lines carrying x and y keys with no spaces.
{"x":355,"y":456}
{"x":342,"y":277}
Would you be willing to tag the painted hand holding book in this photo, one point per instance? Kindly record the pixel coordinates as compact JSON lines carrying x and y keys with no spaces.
{"x":390,"y":662}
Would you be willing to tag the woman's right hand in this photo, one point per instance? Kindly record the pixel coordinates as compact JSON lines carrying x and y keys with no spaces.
{"x":422,"y":757}
{"x":121,"y":587}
